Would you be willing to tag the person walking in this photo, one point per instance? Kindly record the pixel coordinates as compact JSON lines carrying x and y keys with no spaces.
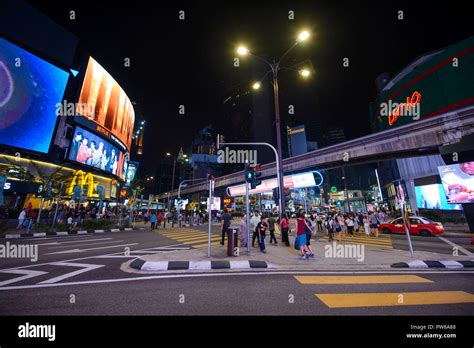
{"x":319,"y":220}
{"x":21,"y":219}
{"x":159,"y":219}
{"x":261,"y":228}
{"x":366,"y":222}
{"x":225,"y":224}
{"x":350,"y":226}
{"x":310,"y":232}
{"x":338,"y":229}
{"x":374,"y":224}
{"x":285,"y":225}
{"x":300,"y":241}
{"x":271,"y":228}
{"x":254,"y":221}
{"x":153,"y":219}
{"x":330,"y":228}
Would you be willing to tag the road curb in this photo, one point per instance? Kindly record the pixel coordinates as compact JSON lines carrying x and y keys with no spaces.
{"x":449,"y":264}
{"x":143,"y":265}
{"x":63,"y":233}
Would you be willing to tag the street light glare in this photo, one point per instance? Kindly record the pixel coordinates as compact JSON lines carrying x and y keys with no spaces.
{"x":168,"y":154}
{"x":304,"y":35}
{"x":243,"y":51}
{"x":304,"y":72}
{"x":256,"y":85}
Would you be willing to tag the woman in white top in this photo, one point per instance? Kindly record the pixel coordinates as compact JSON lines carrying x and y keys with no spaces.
{"x":367,"y":225}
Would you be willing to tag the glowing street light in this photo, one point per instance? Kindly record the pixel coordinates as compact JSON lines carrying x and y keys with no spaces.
{"x":168,"y":154}
{"x":304,"y":35}
{"x":256,"y":85}
{"x":242,"y":51}
{"x":304,"y":72}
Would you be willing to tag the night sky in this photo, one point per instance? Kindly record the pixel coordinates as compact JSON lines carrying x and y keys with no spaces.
{"x":190,"y":62}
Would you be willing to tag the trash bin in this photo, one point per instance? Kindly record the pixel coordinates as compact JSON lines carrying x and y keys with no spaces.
{"x":232,"y":241}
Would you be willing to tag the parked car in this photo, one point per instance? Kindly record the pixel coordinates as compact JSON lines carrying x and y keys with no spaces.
{"x":419,"y":226}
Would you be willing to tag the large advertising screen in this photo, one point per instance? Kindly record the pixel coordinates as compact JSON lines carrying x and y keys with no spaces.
{"x":30,"y":88}
{"x":433,"y":197}
{"x":93,"y":151}
{"x":130,"y":173}
{"x":103,"y":101}
{"x":458,"y":182}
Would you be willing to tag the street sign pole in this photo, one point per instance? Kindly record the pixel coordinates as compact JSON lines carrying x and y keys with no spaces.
{"x":210,"y":218}
{"x":401,"y":196}
{"x":247,"y":216}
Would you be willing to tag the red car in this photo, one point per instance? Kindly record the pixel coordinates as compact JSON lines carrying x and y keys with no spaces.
{"x":419,"y":225}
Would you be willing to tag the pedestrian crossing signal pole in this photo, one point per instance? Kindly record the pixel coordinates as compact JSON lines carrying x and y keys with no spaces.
{"x":247,"y":216}
{"x":211,"y":189}
{"x":405,"y":217}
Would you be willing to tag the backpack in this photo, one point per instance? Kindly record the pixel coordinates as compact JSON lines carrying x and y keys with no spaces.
{"x":338,"y":227}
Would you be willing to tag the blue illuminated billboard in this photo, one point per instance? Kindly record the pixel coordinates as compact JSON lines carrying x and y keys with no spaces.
{"x":433,"y":197}
{"x":30,"y":88}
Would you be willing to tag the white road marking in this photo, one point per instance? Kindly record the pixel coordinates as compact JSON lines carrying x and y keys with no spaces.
{"x":75,"y":241}
{"x":82,"y":250}
{"x":85,"y":268}
{"x":27,"y":275}
{"x":227,"y":274}
{"x":460,"y":248}
{"x":81,"y":245}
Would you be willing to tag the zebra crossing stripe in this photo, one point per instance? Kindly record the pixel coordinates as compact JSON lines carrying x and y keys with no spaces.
{"x":449,"y":264}
{"x":143,"y":265}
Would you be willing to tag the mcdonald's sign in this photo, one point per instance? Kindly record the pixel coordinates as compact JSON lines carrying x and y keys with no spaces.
{"x":82,"y":180}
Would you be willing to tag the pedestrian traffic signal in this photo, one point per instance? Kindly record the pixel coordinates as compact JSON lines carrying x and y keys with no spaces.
{"x":248,"y":173}
{"x":255,"y":175}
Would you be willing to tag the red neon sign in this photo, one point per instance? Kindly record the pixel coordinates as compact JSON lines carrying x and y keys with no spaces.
{"x":411,"y":102}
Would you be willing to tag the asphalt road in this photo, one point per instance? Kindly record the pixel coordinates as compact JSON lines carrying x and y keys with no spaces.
{"x":231,"y":294}
{"x":86,"y":268}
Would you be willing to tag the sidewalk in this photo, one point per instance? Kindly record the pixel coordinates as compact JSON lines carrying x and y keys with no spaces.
{"x":282,"y":258}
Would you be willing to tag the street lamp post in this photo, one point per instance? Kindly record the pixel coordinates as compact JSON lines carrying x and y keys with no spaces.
{"x":172,"y":180}
{"x":274,"y":69}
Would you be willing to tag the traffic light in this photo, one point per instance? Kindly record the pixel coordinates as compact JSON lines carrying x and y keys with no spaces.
{"x":276,"y":194}
{"x":248,"y":173}
{"x":255,"y":175}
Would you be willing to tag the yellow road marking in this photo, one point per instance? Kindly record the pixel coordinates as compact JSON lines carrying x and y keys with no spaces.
{"x":204,"y":245}
{"x":375,"y":279}
{"x":394,"y":299}
{"x":355,"y":240}
{"x":197,"y":239}
{"x":183,"y":234}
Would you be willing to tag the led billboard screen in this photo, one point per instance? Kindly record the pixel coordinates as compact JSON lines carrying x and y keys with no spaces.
{"x":433,"y":197}
{"x":131,"y":172}
{"x":103,"y":101}
{"x":458,"y":182}
{"x":93,"y":151}
{"x":30,"y":88}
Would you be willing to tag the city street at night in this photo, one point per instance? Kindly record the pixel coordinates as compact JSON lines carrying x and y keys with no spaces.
{"x":259,"y":168}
